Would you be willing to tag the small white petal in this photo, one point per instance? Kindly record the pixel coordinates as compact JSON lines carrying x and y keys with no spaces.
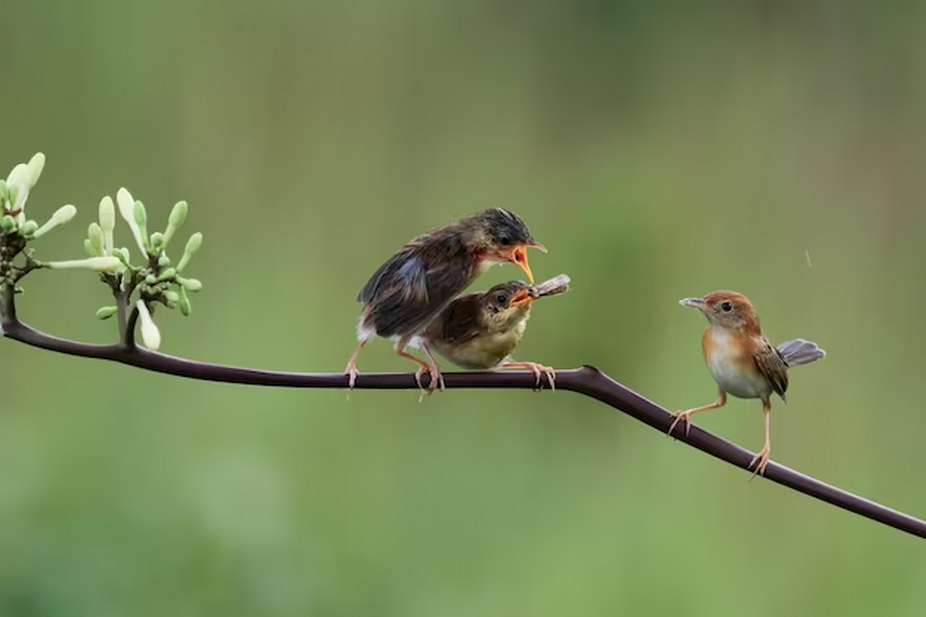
{"x":150,"y":335}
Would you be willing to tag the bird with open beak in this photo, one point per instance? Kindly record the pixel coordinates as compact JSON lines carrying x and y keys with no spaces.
{"x":480,"y":330}
{"x":425,"y":275}
{"x":742,"y":361}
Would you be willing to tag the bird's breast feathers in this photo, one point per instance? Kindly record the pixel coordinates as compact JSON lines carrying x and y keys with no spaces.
{"x":732,"y":364}
{"x":485,"y":351}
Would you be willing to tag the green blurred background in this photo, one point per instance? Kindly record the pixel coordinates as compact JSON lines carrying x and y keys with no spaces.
{"x":658,"y":150}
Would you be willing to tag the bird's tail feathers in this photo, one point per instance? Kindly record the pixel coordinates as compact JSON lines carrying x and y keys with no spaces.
{"x":799,"y":351}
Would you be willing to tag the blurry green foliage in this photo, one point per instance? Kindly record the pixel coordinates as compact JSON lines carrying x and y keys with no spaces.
{"x":659,"y":150}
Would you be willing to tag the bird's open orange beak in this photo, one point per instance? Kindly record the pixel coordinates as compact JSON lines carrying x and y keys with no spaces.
{"x":518,"y":256}
{"x":522,"y":298}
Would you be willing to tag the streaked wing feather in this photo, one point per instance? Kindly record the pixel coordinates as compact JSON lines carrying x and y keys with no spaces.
{"x":773,"y":367}
{"x":410,"y":289}
{"x":459,"y":322}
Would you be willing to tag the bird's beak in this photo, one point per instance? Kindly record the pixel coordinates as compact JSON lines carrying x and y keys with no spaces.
{"x":522,"y":298}
{"x":518,"y":256}
{"x":697,"y":303}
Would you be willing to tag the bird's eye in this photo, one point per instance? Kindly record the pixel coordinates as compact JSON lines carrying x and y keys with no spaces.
{"x":501,"y":299}
{"x":504,"y":240}
{"x":726,"y":306}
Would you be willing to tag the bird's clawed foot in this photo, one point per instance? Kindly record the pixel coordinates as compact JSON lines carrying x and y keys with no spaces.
{"x":760,"y":461}
{"x":539,"y":371}
{"x":351,"y":372}
{"x":681,"y":416}
{"x":435,"y":380}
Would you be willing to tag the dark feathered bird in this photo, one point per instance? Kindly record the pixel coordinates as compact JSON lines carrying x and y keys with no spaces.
{"x":422,"y":278}
{"x":480,"y":330}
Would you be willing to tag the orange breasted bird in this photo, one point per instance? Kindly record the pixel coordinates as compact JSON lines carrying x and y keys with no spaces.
{"x":425,"y":275}
{"x":742,"y":361}
{"x":480,"y":330}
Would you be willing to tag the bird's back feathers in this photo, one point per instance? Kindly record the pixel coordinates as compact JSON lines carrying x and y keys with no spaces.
{"x":416,"y":283}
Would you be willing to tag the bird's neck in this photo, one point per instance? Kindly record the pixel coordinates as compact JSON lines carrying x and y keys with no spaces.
{"x":513,"y":320}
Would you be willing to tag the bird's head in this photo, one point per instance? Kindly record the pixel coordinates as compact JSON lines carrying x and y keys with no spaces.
{"x":500,"y":235}
{"x":728,"y":310}
{"x":504,"y":305}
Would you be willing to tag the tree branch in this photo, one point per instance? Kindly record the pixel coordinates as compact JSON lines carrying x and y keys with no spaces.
{"x":586,"y":380}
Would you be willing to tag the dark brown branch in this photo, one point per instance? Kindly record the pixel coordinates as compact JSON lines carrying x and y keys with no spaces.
{"x":587,"y":380}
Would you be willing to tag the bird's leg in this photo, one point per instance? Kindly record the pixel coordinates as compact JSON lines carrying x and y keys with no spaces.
{"x":351,"y":370}
{"x":436,"y":376}
{"x":537,"y":369}
{"x":685,"y":416}
{"x":761,"y":459}
{"x":423,"y":366}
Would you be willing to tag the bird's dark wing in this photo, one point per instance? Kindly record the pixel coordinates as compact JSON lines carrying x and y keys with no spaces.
{"x":773,"y":366}
{"x":415,"y":284}
{"x":459,"y":322}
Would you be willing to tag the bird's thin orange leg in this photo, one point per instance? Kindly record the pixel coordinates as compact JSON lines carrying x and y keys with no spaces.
{"x":351,"y":370}
{"x":423,"y":367}
{"x":436,"y":376}
{"x":537,"y":369}
{"x":761,"y":459}
{"x":685,"y":416}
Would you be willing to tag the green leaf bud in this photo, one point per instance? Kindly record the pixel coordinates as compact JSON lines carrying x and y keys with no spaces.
{"x":105,"y":312}
{"x":28,"y":228}
{"x":185,"y":307}
{"x":7,"y":223}
{"x":190,"y":284}
{"x":175,"y":220}
{"x":95,"y":235}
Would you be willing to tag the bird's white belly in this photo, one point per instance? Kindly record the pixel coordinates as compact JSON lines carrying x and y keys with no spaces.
{"x":730,"y":375}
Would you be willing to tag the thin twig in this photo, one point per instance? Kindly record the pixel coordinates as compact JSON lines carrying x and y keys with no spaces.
{"x":128,"y":333}
{"x":587,"y":380}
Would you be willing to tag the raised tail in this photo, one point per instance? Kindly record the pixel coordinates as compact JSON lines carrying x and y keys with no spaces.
{"x":799,"y":351}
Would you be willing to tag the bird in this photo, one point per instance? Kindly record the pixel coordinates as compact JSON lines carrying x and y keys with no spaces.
{"x":414,"y":285}
{"x":479,"y":330}
{"x":742,"y":360}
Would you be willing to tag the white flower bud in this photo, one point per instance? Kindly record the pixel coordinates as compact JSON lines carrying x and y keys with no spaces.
{"x":107,"y":223}
{"x":61,"y":216}
{"x":127,"y":210}
{"x":100,"y":264}
{"x":19,"y":186}
{"x":36,"y":165}
{"x":150,"y":335}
